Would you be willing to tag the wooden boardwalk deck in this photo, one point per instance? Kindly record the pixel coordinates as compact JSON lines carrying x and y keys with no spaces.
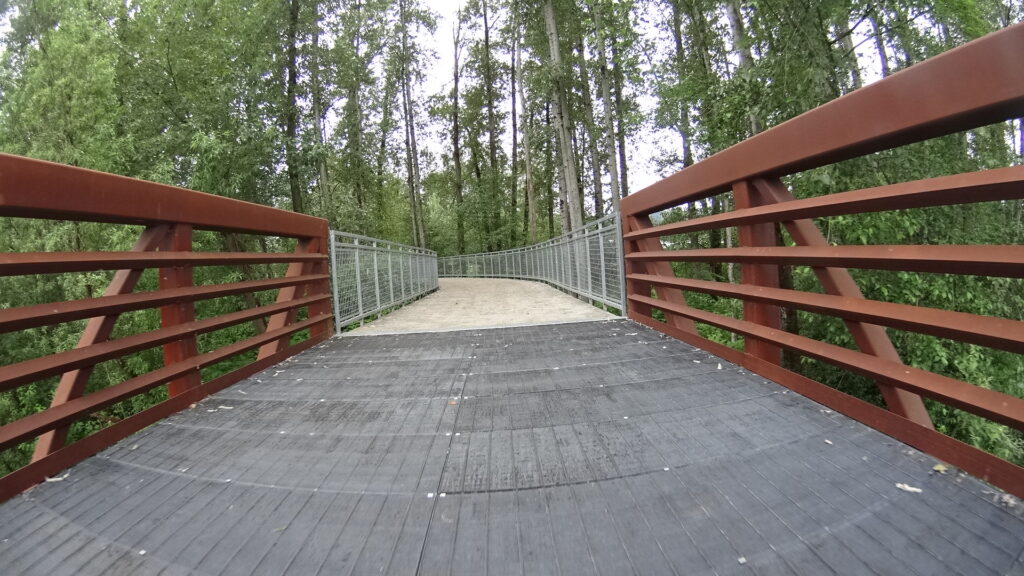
{"x":585,"y":448}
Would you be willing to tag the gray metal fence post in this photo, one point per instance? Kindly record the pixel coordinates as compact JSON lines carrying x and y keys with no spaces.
{"x":359,"y":279}
{"x":376,"y":275}
{"x":334,"y":284}
{"x":391,"y":282}
{"x":620,"y":253}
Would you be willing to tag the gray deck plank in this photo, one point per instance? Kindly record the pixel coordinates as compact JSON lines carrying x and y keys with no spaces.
{"x":587,"y":448}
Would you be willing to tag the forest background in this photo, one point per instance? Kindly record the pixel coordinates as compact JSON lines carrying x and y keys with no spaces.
{"x":514,"y":122}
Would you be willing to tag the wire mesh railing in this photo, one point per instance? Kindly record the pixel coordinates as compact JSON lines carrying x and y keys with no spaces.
{"x":369,"y":276}
{"x":586,"y":262}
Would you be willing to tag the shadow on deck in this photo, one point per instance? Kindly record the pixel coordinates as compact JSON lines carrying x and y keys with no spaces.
{"x":583,"y":448}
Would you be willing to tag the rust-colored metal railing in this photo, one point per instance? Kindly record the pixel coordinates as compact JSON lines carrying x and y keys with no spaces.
{"x":977,"y":84}
{"x":42,"y":190}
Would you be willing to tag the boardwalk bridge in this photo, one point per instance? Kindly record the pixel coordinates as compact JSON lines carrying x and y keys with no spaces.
{"x":509,"y":419}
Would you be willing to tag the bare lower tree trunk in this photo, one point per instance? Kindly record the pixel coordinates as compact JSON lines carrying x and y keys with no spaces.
{"x":620,"y":113}
{"x":411,"y":151}
{"x":513,"y":221}
{"x":568,"y":178}
{"x":531,"y":199}
{"x":609,"y":122}
{"x":460,"y":224}
{"x":593,"y":140}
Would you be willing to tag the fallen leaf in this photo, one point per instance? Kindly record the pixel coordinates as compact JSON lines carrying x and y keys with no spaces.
{"x":940,"y":468}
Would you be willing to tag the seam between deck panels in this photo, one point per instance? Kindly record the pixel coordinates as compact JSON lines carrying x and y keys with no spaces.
{"x":493,"y":327}
{"x":444,"y":466}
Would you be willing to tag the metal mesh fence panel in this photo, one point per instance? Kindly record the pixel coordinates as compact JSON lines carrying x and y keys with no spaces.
{"x":370,"y":276}
{"x":586,"y":262}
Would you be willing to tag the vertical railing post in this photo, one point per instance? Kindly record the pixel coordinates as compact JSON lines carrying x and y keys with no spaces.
{"x":660,"y":268}
{"x":767,"y":275}
{"x":376,"y":274}
{"x":600,"y":256}
{"x":321,"y":267}
{"x":179,"y":240}
{"x":401,"y":271}
{"x":336,"y":290}
{"x":359,"y":278}
{"x":391,"y":280}
{"x":620,"y":252}
{"x":72,"y":384}
{"x":589,"y":269}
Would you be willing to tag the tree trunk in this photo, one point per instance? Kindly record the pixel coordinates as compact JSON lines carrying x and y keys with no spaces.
{"x":683,"y":122}
{"x":609,"y":122}
{"x":513,"y":221}
{"x":319,"y":111}
{"x":567,"y":159}
{"x":493,"y":176}
{"x":292,"y":111}
{"x":741,"y":46}
{"x":549,"y":165}
{"x":531,"y":200}
{"x":411,"y":151}
{"x":460,"y":224}
{"x":620,"y":113}
{"x":883,"y":54}
{"x":591,"y":132}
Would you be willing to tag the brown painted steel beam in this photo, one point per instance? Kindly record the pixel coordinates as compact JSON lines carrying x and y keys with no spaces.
{"x":989,"y":468}
{"x":57,"y":312}
{"x":982,"y":260}
{"x":758,"y":274}
{"x":286,"y":294}
{"x":37,"y":189}
{"x":660,"y":268}
{"x":969,"y":188}
{"x":999,"y":333}
{"x":979,"y":83}
{"x":184,"y":312}
{"x":14,"y":375}
{"x":21,"y":263}
{"x":990,"y":404}
{"x":65,"y":414}
{"x":869,"y":338}
{"x":72,"y":384}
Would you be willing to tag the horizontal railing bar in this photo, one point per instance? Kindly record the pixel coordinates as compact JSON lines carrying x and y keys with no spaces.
{"x":988,"y":331}
{"x":37,"y":189}
{"x":348,"y":248}
{"x":990,"y":404}
{"x":14,"y":375}
{"x":557,"y":241}
{"x":21,"y":263}
{"x":65,"y":414}
{"x":395,"y":245}
{"x":979,"y":83}
{"x":982,"y":260}
{"x":58,"y":312}
{"x":970,"y":188}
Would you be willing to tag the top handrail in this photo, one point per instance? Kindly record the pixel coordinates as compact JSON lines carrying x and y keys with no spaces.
{"x":581,"y":232}
{"x":335,"y":234}
{"x":979,"y":83}
{"x":32,"y":188}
